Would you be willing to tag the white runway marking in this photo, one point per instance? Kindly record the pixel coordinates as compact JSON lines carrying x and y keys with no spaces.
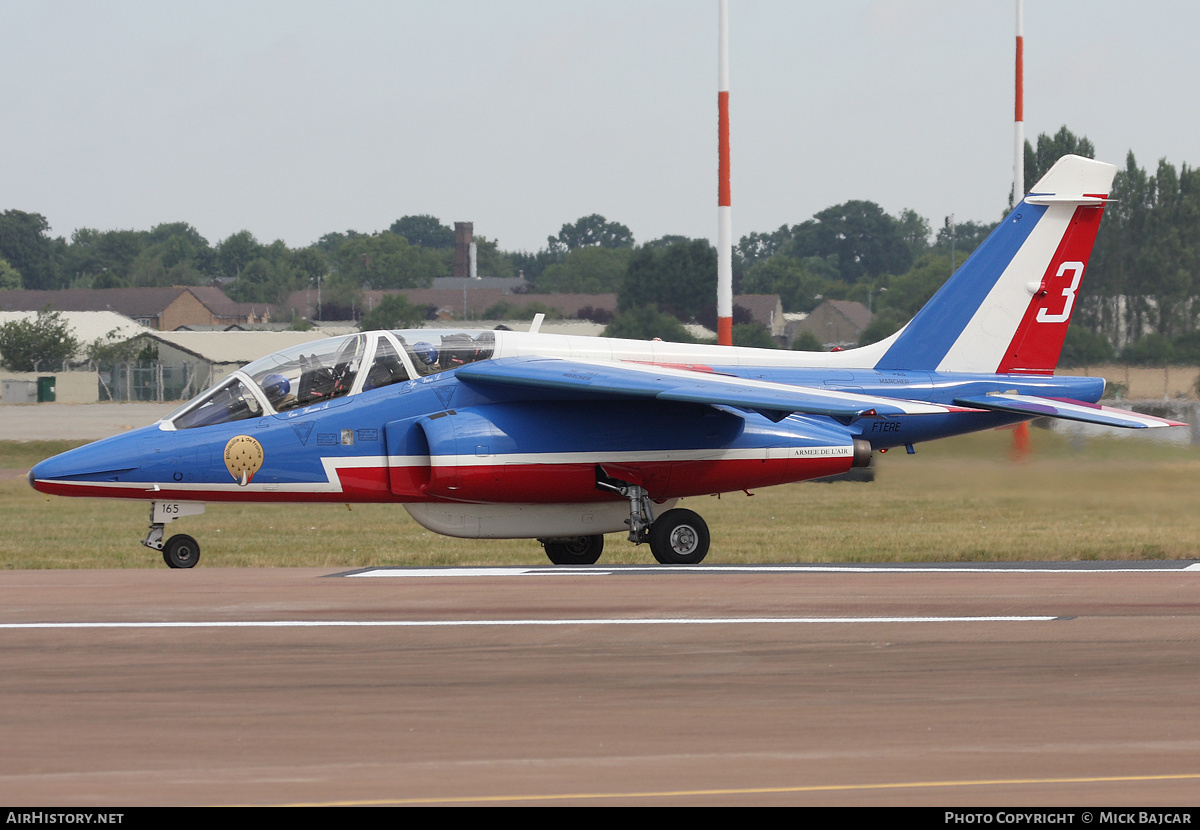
{"x":459,"y":623}
{"x":634,"y":570}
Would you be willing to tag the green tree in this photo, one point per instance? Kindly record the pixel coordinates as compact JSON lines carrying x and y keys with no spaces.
{"x":884,"y":325}
{"x":756,"y":247}
{"x":489,"y":259}
{"x":1187,"y":347}
{"x":592,"y":230}
{"x":1152,"y":350}
{"x":112,"y":348}
{"x":1083,"y":347}
{"x":866,"y":241}
{"x":680,"y":279}
{"x":1145,"y":268}
{"x":532,"y":266}
{"x":424,"y":230}
{"x":178,"y":243}
{"x":591,"y":270}
{"x":799,"y":289}
{"x":507,"y":310}
{"x":9,"y":277}
{"x":967,"y":237}
{"x":1050,"y":148}
{"x":26,"y":244}
{"x":806,"y":341}
{"x":754,"y":335}
{"x":907,"y":294}
{"x":914,"y":229}
{"x":393,"y":312}
{"x":386,"y":260}
{"x":309,"y":264}
{"x":25,"y":342}
{"x":647,"y":323}
{"x":236,"y":252}
{"x":92,"y":252}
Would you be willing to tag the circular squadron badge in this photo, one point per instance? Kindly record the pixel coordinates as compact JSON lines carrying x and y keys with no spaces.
{"x":243,"y":458}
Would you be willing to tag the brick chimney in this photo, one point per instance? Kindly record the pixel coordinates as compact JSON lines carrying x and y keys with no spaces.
{"x":464,"y":234}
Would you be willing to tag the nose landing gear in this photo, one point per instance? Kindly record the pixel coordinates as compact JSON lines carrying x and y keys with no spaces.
{"x":181,"y":550}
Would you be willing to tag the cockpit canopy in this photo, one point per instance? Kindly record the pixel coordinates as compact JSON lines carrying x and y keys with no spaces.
{"x":322,"y":370}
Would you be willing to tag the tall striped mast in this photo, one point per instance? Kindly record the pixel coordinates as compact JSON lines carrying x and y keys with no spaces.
{"x":1019,"y":161}
{"x":724,"y":214}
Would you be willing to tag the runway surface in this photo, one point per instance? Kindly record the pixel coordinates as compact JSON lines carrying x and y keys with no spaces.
{"x":874,"y":686}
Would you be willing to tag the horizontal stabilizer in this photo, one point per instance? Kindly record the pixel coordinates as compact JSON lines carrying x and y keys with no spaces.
{"x":674,"y":384}
{"x":1089,"y":413}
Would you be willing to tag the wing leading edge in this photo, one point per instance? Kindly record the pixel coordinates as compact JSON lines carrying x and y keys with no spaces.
{"x":775,"y":400}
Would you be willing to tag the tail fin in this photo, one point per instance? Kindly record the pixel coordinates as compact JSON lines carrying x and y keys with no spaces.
{"x":1008,"y":307}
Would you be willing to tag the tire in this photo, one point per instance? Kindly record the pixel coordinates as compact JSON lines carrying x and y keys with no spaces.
{"x":679,"y":537}
{"x":181,"y":551}
{"x":580,"y":550}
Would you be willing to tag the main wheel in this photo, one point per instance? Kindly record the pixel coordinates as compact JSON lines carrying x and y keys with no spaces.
{"x":181,"y":551}
{"x":580,"y":550}
{"x":679,"y":537}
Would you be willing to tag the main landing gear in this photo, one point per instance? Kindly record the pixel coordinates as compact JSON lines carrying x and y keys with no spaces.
{"x":677,"y":537}
{"x":576,"y":550}
{"x":181,"y":550}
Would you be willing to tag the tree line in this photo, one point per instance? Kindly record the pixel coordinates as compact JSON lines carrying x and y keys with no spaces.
{"x":1140,"y":295}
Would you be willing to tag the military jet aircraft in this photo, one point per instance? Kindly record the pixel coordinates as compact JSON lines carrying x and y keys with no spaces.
{"x":564,"y":439}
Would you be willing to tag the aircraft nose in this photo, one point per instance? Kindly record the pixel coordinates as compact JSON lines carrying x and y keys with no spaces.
{"x":29,"y":478}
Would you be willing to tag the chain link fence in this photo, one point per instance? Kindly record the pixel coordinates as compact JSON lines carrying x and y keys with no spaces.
{"x":138,"y":380}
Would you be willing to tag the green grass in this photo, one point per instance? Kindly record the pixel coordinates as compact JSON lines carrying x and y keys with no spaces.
{"x":959,"y":499}
{"x":21,"y":455}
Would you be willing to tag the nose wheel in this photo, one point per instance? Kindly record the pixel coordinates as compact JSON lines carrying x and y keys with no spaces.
{"x":181,"y":551}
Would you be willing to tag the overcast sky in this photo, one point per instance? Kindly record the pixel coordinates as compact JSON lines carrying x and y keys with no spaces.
{"x":293,"y":119}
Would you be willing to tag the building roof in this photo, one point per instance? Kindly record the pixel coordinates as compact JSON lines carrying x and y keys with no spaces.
{"x":763,"y":308}
{"x":88,"y":326}
{"x":855,"y":312}
{"x":218,"y":302}
{"x":233,"y":347}
{"x":132,"y":302}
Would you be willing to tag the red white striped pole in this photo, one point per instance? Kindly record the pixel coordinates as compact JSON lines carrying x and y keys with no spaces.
{"x":1021,"y":443}
{"x":1019,"y":162}
{"x":724,"y":216}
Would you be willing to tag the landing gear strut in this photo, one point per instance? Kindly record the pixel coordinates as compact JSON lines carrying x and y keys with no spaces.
{"x":181,"y":550}
{"x":677,"y":537}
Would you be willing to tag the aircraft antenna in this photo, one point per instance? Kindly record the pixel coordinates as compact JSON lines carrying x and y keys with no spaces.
{"x":724,"y":216}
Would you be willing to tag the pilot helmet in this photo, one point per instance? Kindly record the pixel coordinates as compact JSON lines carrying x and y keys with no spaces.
{"x":276,"y":387}
{"x":426,"y":351}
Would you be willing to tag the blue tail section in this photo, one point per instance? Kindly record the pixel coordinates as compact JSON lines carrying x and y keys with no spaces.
{"x":924,"y":343}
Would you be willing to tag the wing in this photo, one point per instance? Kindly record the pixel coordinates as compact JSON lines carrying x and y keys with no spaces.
{"x":774,"y":400}
{"x":1065,"y":408}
